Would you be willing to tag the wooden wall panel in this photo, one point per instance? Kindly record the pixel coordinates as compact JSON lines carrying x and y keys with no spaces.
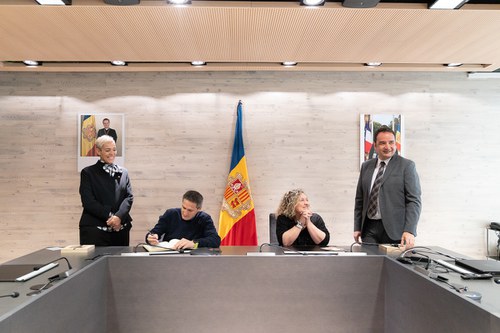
{"x":300,"y":130}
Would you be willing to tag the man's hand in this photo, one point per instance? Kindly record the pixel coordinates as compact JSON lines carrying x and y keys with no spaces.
{"x":407,"y":240}
{"x":153,"y":239}
{"x":357,"y":236}
{"x":184,"y":244}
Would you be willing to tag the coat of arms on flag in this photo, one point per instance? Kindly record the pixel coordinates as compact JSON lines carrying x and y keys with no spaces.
{"x":236,"y":197}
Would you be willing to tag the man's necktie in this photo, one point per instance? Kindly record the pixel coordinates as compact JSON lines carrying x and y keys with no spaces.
{"x":373,"y":202}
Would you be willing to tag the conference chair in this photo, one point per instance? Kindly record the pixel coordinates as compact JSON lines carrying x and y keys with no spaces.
{"x":273,"y":239}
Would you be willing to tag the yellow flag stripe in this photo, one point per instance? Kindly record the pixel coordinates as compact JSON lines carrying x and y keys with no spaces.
{"x":226,"y":221}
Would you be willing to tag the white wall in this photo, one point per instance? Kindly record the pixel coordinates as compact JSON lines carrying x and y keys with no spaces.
{"x":300,"y":130}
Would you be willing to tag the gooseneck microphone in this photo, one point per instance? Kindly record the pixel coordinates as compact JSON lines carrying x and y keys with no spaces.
{"x":429,"y":260}
{"x":55,"y":260}
{"x":13,"y":295}
{"x":62,"y":275}
{"x":413,"y":250}
{"x":369,"y":244}
{"x":281,"y":248}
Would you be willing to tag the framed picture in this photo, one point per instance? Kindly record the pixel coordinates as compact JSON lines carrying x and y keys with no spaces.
{"x":369,"y":124}
{"x":92,"y":126}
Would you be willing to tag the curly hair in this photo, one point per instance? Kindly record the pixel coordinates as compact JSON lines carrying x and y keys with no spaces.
{"x":288,"y":203}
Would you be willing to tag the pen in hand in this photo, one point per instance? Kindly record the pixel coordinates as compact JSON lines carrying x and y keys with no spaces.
{"x":152,"y":239}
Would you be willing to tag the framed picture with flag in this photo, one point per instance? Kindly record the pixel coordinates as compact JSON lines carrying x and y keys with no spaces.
{"x":92,"y":126}
{"x":369,"y":124}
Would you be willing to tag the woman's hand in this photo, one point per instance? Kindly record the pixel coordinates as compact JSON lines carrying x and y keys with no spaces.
{"x":305,"y":217}
{"x":114,"y":222}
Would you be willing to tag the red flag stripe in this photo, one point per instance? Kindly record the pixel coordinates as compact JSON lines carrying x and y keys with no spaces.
{"x":243,"y":231}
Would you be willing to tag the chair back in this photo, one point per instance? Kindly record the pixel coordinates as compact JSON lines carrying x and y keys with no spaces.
{"x":273,"y":239}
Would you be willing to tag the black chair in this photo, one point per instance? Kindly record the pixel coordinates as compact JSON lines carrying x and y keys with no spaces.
{"x":273,"y":239}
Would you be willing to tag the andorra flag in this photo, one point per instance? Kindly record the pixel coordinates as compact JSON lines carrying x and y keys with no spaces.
{"x":88,"y":136}
{"x":397,"y":131}
{"x":237,"y":215}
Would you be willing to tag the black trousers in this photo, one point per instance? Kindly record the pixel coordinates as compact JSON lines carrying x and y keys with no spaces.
{"x":97,"y":237}
{"x":374,"y":233}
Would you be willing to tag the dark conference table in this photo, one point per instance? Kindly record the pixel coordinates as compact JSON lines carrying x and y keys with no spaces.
{"x":115,"y":289}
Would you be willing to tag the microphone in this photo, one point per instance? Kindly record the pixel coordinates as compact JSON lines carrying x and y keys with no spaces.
{"x":413,"y":249}
{"x":464,"y":290}
{"x":13,"y":295}
{"x":59,"y":276}
{"x":369,"y":244}
{"x":431,"y":251}
{"x":405,"y":260}
{"x":38,"y":288}
{"x":137,"y":246}
{"x":429,"y":260}
{"x":281,"y":248}
{"x":62,"y":275}
{"x":53,"y":261}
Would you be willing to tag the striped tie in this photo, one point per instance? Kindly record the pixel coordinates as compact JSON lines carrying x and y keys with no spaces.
{"x":373,"y":202}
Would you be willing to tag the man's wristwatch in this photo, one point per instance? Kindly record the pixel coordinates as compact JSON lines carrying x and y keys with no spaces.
{"x":195,"y":242}
{"x":299,"y":225}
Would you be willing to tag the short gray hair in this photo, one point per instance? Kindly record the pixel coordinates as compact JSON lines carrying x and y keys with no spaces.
{"x":102,"y":140}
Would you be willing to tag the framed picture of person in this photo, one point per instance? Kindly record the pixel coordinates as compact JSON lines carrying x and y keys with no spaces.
{"x":92,"y":126}
{"x":369,"y":124}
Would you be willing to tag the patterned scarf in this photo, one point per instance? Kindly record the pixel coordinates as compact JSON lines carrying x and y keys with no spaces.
{"x":112,"y":169}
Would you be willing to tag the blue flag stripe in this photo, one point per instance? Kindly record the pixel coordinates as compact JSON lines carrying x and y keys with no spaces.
{"x":238,"y":149}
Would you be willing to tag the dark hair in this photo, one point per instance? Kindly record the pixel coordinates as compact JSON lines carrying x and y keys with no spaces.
{"x":194,"y":197}
{"x":383,"y":129}
{"x":105,"y":119}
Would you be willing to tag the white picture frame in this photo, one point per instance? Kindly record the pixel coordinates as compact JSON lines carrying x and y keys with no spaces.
{"x":88,"y":127}
{"x":369,"y":124}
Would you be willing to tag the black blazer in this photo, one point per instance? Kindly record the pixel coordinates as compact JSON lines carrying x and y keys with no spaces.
{"x":102,"y":194}
{"x":111,"y":133}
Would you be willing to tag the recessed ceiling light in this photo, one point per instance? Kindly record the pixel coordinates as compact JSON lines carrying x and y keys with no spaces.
{"x":373,"y":64}
{"x":453,"y":64}
{"x":118,"y":63}
{"x":312,"y":2}
{"x":198,"y":63}
{"x":289,"y":63}
{"x":32,"y":63}
{"x":448,"y":4}
{"x":122,"y":2}
{"x":179,"y":2}
{"x":54,"y":2}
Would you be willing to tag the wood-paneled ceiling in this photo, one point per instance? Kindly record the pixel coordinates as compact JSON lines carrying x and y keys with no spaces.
{"x":248,"y":35}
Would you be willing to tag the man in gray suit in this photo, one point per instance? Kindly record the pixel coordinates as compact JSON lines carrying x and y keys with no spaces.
{"x":388,"y":205}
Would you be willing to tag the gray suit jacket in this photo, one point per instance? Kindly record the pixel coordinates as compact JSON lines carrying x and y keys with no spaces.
{"x":399,"y":196}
